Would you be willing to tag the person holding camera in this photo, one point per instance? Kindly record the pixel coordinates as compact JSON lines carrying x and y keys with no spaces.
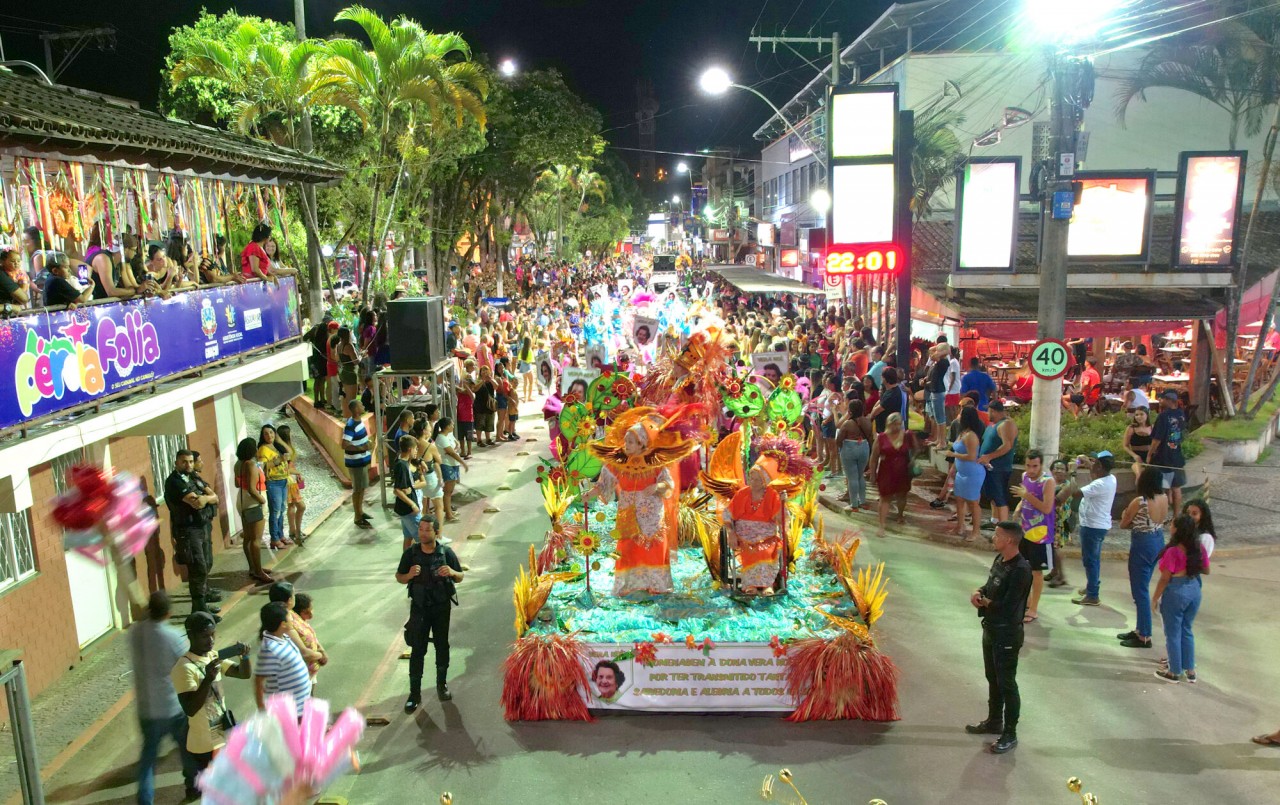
{"x":430,"y":570}
{"x":197,"y":679}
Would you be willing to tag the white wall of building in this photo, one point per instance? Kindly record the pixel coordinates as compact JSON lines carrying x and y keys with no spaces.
{"x":1154,"y":133}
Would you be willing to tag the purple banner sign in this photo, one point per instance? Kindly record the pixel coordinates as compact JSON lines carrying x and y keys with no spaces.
{"x":65,"y":358}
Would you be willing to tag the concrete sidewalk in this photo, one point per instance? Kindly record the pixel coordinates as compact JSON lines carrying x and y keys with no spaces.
{"x":85,"y":721}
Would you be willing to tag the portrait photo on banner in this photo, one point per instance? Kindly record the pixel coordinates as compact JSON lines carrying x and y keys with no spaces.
{"x":643,"y":331}
{"x":609,"y":680}
{"x":770,"y":366}
{"x":577,"y":380}
{"x":546,"y":373}
{"x":597,"y":358}
{"x":625,"y":287}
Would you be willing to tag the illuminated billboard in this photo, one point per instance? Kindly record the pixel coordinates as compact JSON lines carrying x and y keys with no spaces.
{"x":864,"y":123}
{"x":1210,"y":195}
{"x":987,"y":214}
{"x":1112,"y":220}
{"x":862,"y":203}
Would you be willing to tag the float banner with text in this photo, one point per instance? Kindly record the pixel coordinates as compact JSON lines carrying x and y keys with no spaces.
{"x":741,"y":677}
{"x":64,"y":358}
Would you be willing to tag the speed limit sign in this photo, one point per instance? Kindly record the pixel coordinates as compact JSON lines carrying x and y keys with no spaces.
{"x":1049,"y":359}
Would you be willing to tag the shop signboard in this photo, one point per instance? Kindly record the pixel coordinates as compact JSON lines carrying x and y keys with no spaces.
{"x":1210,"y":196}
{"x":732,"y":677}
{"x":1112,"y":220}
{"x":65,"y":358}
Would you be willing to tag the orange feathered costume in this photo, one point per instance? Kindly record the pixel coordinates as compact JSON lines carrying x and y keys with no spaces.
{"x":646,"y":524}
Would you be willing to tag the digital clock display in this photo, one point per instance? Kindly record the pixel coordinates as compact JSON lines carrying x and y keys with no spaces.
{"x":882,"y":258}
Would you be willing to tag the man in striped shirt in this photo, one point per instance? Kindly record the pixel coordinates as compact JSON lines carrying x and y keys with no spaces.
{"x":280,"y":667}
{"x":355,"y":443}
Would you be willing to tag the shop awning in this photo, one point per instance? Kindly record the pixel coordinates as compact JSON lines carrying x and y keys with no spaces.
{"x":752,"y":280}
{"x":1026,"y":330}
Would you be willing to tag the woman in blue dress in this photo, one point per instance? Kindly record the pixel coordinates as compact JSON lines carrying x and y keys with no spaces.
{"x":969,"y":473}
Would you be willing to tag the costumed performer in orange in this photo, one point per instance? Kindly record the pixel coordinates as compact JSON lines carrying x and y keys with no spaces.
{"x":753,"y":522}
{"x":636,"y":452}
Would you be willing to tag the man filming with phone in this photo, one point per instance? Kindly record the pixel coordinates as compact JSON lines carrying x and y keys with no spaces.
{"x":197,"y":678}
{"x":430,"y":570}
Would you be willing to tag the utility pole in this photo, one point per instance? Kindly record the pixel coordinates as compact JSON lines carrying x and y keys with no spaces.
{"x":315,"y":299}
{"x":902,"y":324}
{"x":1066,"y":114}
{"x":833,"y":40}
{"x":79,"y":38}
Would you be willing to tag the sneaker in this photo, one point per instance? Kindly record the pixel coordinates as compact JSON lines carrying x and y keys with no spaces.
{"x":365,"y":524}
{"x":1086,"y":601}
{"x":1191,"y":677}
{"x":412,"y":702}
{"x":1056,"y":583}
{"x":213,"y":596}
{"x":989,"y":525}
{"x":1136,"y":642}
{"x":936,"y":503}
{"x":1127,"y":635}
{"x":1167,"y":677}
{"x":987,"y":727}
{"x":442,"y":691}
{"x":1004,"y":744}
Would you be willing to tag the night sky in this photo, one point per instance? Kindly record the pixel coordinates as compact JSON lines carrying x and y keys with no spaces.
{"x":603,"y":47}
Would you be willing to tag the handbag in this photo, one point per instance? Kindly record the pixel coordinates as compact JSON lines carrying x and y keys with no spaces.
{"x":302,"y":482}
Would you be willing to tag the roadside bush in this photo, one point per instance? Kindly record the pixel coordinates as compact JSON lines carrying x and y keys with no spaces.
{"x":1089,"y":434}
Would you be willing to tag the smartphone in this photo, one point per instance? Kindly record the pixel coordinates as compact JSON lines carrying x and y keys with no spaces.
{"x":232,"y":651}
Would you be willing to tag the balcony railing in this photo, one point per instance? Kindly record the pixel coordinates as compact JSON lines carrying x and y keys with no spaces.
{"x":58,"y":359}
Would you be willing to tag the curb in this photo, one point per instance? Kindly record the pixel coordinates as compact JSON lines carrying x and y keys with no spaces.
{"x":1073,"y":551}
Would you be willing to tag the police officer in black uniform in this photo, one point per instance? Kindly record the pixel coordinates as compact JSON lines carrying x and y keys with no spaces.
{"x":185,"y":502}
{"x":430,"y":570}
{"x":208,"y":513}
{"x":1002,"y":604}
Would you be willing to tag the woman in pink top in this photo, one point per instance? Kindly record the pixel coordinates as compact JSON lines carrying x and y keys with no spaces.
{"x":1182,"y":562}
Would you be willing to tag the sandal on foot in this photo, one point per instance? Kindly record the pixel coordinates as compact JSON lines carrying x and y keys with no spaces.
{"x":1030,"y":618}
{"x":1265,"y":740}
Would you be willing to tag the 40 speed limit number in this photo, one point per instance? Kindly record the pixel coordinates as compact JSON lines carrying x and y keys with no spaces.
{"x":1050,"y":359}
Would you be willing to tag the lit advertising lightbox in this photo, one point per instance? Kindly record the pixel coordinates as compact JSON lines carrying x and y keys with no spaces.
{"x":1112,"y":221}
{"x":864,"y":124}
{"x":1210,"y":194}
{"x":987,"y":214}
{"x":862,"y":203}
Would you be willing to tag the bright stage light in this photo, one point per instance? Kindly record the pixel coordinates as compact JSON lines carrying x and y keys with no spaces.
{"x":1052,"y":21}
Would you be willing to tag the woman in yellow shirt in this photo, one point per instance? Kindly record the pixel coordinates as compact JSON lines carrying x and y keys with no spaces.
{"x":274,"y":456}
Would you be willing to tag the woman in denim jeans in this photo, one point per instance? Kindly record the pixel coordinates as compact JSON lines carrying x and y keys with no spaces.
{"x":274,"y":455}
{"x":1182,"y":562}
{"x":853,"y":439}
{"x":1144,"y":516}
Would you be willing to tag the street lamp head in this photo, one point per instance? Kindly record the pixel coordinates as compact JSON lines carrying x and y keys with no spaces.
{"x":820,"y":201}
{"x":715,"y":81}
{"x":683,"y":167}
{"x":675,"y":199}
{"x":1052,"y":22}
{"x":327,"y":250}
{"x":507,"y":68}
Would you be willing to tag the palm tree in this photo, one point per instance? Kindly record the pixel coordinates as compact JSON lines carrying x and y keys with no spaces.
{"x":406,"y":70}
{"x":934,"y":158}
{"x":272,"y":89}
{"x":558,"y":179}
{"x":1232,"y":65}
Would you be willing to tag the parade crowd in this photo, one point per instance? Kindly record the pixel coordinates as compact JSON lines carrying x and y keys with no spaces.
{"x":871,"y":417}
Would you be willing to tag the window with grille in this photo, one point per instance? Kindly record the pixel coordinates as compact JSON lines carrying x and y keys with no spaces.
{"x":17,"y":555}
{"x":163,"y":450}
{"x":62,"y":468}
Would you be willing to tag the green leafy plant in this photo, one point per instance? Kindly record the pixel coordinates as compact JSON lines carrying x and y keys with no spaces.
{"x":1089,"y":434}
